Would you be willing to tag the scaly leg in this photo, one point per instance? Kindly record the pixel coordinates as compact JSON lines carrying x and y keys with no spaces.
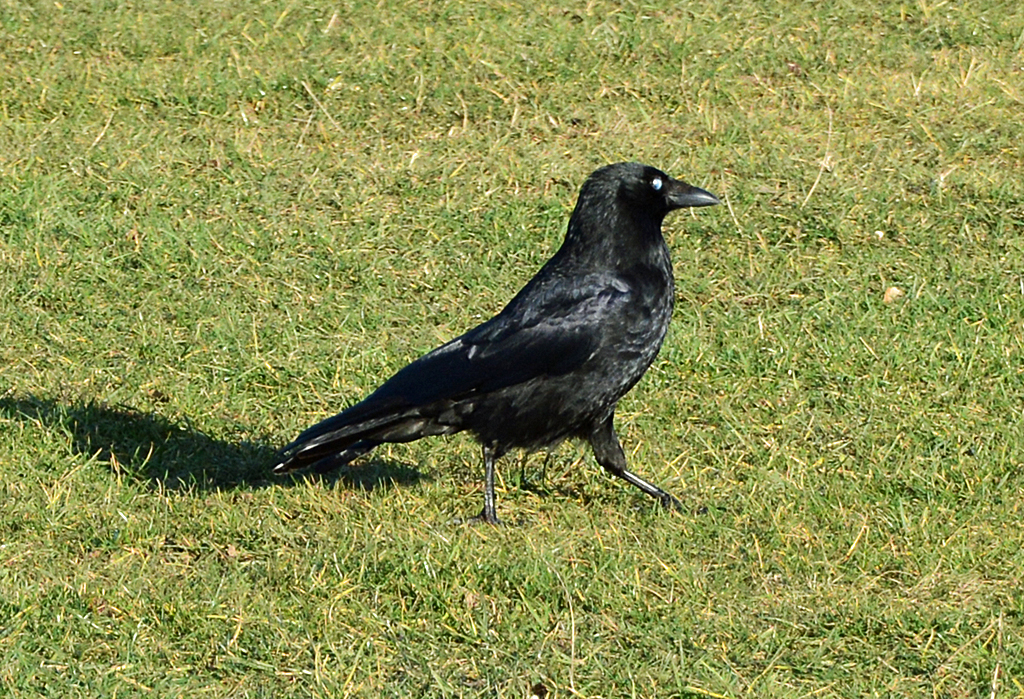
{"x":609,"y":454}
{"x":488,"y":514}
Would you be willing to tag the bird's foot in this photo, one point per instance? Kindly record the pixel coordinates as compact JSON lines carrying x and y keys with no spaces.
{"x":486,"y":517}
{"x":670,"y":503}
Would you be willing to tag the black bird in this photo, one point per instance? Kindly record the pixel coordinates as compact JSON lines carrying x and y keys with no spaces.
{"x":555,"y":362}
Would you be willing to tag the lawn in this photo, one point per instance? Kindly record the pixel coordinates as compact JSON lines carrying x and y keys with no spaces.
{"x":223,"y":221}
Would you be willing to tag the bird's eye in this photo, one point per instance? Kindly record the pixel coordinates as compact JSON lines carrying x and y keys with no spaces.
{"x":657,"y":184}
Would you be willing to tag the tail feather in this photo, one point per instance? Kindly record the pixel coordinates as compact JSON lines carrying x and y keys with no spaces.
{"x":338,"y":440}
{"x":333,"y":443}
{"x":323,"y":460}
{"x":347,"y":426}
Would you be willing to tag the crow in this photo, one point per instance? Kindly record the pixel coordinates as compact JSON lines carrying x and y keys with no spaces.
{"x":555,"y":361}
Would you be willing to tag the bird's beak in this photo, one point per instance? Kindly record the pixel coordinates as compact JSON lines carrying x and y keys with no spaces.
{"x":682,"y":195}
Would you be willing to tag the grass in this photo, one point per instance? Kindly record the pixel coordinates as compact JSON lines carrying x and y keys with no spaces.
{"x":224,"y":221}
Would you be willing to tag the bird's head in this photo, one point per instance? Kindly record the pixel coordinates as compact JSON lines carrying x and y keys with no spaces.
{"x":647,"y":189}
{"x":631,"y":200}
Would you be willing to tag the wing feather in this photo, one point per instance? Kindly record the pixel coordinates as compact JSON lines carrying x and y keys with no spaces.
{"x":547,"y":330}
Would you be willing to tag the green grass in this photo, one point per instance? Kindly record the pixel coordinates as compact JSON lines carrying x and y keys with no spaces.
{"x":221,"y":222}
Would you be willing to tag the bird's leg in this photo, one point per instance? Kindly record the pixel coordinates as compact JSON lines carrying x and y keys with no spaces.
{"x":609,"y":454}
{"x":529,"y":485}
{"x":544,"y":469}
{"x":488,"y":514}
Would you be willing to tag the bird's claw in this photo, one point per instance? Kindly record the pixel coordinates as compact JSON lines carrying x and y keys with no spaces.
{"x":668,"y":502}
{"x":486,"y":517}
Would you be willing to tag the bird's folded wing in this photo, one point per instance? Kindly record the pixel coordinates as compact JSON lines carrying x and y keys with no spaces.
{"x":554,"y":337}
{"x":537,"y":335}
